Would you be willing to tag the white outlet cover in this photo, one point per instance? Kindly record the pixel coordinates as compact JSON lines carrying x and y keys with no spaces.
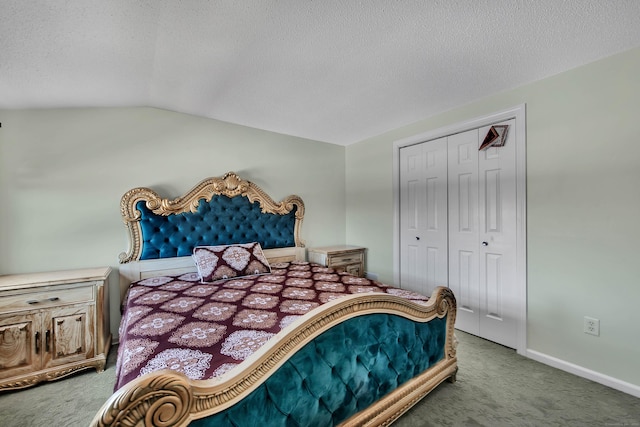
{"x":591,"y":326}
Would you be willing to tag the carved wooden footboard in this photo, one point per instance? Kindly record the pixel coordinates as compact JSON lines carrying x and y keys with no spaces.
{"x":373,"y":384}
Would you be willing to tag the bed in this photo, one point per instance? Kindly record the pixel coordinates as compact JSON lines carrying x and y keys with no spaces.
{"x":205,"y":341}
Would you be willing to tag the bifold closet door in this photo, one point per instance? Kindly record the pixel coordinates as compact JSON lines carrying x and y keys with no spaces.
{"x":423,"y":222}
{"x":458,"y":228}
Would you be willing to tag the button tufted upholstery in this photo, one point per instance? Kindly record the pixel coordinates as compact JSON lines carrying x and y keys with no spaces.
{"x":221,"y":221}
{"x":340,"y":373}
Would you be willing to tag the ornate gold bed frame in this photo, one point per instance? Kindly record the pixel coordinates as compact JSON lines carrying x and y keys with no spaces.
{"x":166,"y":398}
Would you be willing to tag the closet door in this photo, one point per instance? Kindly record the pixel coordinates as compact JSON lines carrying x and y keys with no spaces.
{"x":458,"y":228}
{"x":464,"y":244}
{"x":423,"y":216}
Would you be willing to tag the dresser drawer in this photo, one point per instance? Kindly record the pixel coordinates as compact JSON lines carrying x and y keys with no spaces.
{"x":343,"y":259}
{"x":48,"y":298}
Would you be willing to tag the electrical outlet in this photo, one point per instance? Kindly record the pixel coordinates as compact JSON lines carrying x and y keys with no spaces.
{"x":591,"y":326}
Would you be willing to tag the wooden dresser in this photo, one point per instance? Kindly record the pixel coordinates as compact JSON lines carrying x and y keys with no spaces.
{"x":340,"y":257}
{"x":52,"y":324}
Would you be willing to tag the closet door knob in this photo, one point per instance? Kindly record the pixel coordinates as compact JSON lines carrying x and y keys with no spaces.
{"x":485,"y":243}
{"x":417,"y":238}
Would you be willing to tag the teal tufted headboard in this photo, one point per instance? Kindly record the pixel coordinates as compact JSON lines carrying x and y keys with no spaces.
{"x":220,"y":221}
{"x":217,"y":211}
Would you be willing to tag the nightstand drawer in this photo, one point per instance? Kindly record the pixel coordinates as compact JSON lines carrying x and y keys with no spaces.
{"x":348,"y":258}
{"x":355,"y":269}
{"x":50,"y":298}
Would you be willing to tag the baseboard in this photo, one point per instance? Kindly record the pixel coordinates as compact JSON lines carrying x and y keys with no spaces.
{"x":580,"y":371}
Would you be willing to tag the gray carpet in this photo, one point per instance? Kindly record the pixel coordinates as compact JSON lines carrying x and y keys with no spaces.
{"x":495,"y":388}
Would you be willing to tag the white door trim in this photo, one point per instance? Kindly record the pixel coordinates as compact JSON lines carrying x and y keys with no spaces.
{"x":519,"y":114}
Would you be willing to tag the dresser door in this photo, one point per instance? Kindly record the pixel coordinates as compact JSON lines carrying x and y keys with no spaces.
{"x":68,"y":335}
{"x":20,"y":344}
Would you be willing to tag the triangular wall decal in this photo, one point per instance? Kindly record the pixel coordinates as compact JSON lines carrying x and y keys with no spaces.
{"x":496,"y":137}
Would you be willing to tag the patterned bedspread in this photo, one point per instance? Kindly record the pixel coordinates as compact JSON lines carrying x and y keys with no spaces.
{"x":204,"y":330}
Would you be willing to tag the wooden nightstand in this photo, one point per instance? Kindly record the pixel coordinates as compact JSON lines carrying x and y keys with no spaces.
{"x":340,"y":257}
{"x":52,"y":324}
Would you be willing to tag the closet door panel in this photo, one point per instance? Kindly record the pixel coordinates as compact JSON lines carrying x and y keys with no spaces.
{"x":411,"y":205}
{"x":423,"y":216}
{"x":497,"y":219}
{"x":463,"y":227}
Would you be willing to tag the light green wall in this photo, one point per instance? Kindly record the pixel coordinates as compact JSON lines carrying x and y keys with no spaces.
{"x":583,"y":205}
{"x":63,"y":171}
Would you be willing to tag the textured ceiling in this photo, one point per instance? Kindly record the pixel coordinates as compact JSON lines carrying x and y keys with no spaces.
{"x":333,"y":71}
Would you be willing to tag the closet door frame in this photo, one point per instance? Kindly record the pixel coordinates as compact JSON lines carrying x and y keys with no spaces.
{"x":519,"y":114}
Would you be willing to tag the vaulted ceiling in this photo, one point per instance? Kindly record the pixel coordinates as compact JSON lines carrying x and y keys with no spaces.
{"x":337,"y":71}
